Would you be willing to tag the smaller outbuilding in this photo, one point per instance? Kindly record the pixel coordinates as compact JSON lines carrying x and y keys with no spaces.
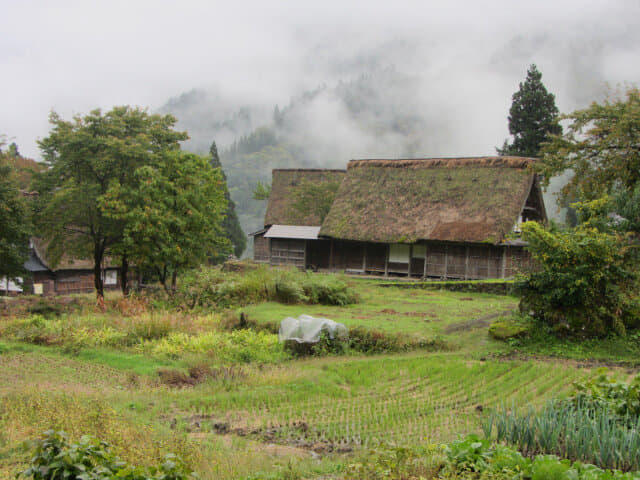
{"x":68,"y":276}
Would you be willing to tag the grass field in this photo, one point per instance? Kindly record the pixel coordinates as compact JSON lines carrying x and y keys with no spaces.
{"x":265,"y":418}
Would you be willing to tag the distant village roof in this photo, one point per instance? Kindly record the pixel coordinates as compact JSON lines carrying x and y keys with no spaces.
{"x":39,"y":259}
{"x":474,"y":199}
{"x":283,"y":186}
{"x":292,"y":231}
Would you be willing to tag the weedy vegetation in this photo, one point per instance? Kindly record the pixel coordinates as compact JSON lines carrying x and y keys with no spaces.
{"x":203,"y":376}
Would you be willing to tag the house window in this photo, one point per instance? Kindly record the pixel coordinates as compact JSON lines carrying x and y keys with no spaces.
{"x":419,"y":251}
{"x":398,"y":253}
{"x":111,"y":277}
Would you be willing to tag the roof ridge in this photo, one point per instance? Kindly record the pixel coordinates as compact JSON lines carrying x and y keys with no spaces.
{"x":485,"y":161}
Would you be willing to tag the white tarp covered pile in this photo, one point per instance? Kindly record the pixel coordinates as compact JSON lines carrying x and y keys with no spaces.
{"x":308,"y":329}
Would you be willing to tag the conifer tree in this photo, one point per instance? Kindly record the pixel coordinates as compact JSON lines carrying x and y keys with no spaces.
{"x":230,"y":224}
{"x":533,"y":117}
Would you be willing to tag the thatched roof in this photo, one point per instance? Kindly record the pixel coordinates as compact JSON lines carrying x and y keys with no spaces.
{"x":283,"y":186}
{"x":40,"y":246}
{"x":456,"y":199}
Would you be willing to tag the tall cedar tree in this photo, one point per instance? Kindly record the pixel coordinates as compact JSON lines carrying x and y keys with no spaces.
{"x":230,"y":224}
{"x":87,"y":157}
{"x":533,"y":117}
{"x":14,"y":222}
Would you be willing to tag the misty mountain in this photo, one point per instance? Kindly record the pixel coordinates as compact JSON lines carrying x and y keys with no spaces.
{"x":373,"y":115}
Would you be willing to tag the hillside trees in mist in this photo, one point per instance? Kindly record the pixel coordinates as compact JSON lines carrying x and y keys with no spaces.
{"x":230,"y":224}
{"x":533,"y":117}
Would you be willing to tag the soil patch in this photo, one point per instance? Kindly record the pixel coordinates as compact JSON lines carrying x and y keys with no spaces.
{"x":480,"y":322}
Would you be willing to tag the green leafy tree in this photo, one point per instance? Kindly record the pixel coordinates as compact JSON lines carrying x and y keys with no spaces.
{"x":172,"y":215}
{"x":600,"y":147}
{"x":584,"y":282}
{"x":262,"y":191}
{"x":230,"y":224}
{"x":87,"y":157}
{"x":533,"y":117}
{"x":14,"y":223}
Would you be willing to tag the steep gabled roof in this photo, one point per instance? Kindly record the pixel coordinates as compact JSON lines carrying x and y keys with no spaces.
{"x":39,"y":248}
{"x":283,"y":186}
{"x":455,"y":199}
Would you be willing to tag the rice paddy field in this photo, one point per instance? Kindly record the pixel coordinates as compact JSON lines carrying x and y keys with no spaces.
{"x":240,"y":415}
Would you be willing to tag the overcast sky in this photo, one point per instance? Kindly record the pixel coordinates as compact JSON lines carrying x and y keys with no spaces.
{"x":73,"y":56}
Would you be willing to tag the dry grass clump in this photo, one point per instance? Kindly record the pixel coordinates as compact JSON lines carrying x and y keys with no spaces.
{"x":200,"y":373}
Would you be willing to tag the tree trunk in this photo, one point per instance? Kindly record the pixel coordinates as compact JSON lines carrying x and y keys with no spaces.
{"x":98,"y":254}
{"x":174,"y":277}
{"x":124,"y":275}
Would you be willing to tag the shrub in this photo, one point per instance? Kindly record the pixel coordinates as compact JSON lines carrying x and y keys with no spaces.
{"x":35,"y":329}
{"x":242,"y":346}
{"x":583,"y":282}
{"x":620,"y":397}
{"x":506,"y":328}
{"x":211,"y":288}
{"x":54,"y":458}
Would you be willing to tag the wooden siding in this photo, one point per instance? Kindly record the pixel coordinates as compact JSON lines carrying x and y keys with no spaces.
{"x":261,"y":248}
{"x":286,"y":251}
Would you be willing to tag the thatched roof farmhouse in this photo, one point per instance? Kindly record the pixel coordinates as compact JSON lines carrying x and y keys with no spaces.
{"x":435,"y":217}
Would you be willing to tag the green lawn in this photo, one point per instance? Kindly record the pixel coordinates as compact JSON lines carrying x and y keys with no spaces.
{"x":395,"y":309}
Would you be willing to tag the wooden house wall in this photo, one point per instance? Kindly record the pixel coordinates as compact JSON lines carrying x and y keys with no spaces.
{"x":287,"y":251}
{"x":261,"y":248}
{"x":425,"y":260}
{"x":318,"y":254}
{"x":66,"y":282}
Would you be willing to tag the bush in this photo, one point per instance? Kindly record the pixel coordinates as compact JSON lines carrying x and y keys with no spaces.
{"x":583,"y":282}
{"x":603,"y":391}
{"x":54,"y":458}
{"x":506,"y":328}
{"x":210,"y":287}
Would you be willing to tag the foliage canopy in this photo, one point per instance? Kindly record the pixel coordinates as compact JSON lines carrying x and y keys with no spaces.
{"x":583,"y":283}
{"x":599,"y":147}
{"x":14,"y":222}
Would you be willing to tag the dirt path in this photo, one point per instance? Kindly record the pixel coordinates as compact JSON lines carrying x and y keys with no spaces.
{"x":480,"y":322}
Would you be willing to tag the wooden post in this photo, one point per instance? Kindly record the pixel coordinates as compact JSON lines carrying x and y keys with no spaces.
{"x":386,"y":262}
{"x":364,"y":259}
{"x":446,"y":261}
{"x":426,"y":254}
{"x":504,"y":262}
{"x":304,"y":262}
{"x":331,"y":255}
{"x":410,"y":255}
{"x":488,"y":262}
{"x":466,"y":262}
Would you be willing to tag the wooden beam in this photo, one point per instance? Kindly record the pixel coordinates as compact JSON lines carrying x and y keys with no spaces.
{"x":386,"y":262}
{"x":426,"y":254}
{"x":504,"y":262}
{"x":488,"y":262}
{"x":304,"y":261}
{"x":446,"y":261}
{"x":331,"y":255}
{"x":364,"y":259}
{"x":466,"y":262}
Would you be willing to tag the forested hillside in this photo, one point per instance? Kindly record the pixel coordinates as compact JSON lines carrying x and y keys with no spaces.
{"x":372,"y":115}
